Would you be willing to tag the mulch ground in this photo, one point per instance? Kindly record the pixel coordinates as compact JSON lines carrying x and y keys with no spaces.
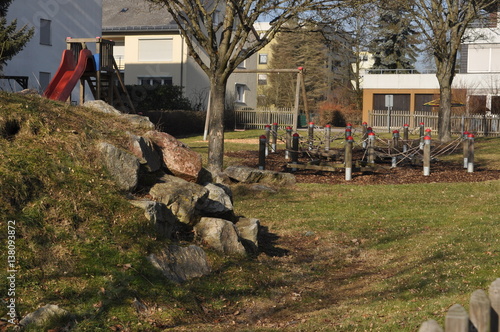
{"x":441,"y":171}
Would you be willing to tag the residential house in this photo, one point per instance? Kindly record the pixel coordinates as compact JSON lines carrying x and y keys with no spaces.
{"x":150,"y":50}
{"x":53,"y":20}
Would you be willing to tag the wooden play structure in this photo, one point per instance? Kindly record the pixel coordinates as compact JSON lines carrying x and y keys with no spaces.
{"x":98,"y":70}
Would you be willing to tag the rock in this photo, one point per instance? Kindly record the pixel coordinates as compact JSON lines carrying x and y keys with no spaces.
{"x":144,"y":149}
{"x":102,"y":106}
{"x":184,"y":199}
{"x":139,"y":120}
{"x":122,"y":165}
{"x":160,"y":216}
{"x":207,"y":176}
{"x":220,"y":235}
{"x":251,"y":175}
{"x":219,"y":202}
{"x":179,"y":159}
{"x":180,"y":264}
{"x":43,"y":315}
{"x":248,"y":229}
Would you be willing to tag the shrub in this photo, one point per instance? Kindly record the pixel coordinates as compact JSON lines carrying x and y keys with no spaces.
{"x":159,"y":97}
{"x":338,"y":115}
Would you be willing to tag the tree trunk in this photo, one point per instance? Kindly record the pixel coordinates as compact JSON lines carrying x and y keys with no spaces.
{"x":216,"y":125}
{"x":444,"y":115}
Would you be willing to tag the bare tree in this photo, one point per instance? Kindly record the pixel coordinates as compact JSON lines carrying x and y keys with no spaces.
{"x":444,"y":24}
{"x":220,"y":35}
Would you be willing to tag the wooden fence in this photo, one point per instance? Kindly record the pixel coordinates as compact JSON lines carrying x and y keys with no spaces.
{"x":483,"y":314}
{"x":257,"y":119}
{"x":480,"y":125}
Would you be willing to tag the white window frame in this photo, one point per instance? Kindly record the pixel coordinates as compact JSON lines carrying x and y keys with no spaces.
{"x":239,"y":92}
{"x":163,"y":80}
{"x":263,"y":59}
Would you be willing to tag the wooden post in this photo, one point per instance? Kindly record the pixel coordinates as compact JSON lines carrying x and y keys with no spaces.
{"x":457,"y":319}
{"x":470,"y":154}
{"x":295,"y":150}
{"x":348,"y":132}
{"x":328,"y":133}
{"x":427,"y":155}
{"x":494,"y":293}
{"x":274,"y":138}
{"x":430,"y":326}
{"x":405,"y":137}
{"x":310,"y":135}
{"x":465,"y":147}
{"x":262,"y":151}
{"x":395,"y":139}
{"x":365,"y":130}
{"x":296,"y":104}
{"x":268,"y":134}
{"x":348,"y":158}
{"x":422,"y":135}
{"x":479,"y":310}
{"x":304,"y":96}
{"x":288,"y":142}
{"x":371,"y":147}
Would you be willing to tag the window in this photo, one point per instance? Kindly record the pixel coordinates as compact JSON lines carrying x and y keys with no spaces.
{"x":483,"y":58}
{"x":45,"y":38}
{"x":44,"y":79}
{"x":240,"y":93}
{"x":243,"y":65}
{"x":155,"y":49}
{"x":262,"y":79}
{"x":263,"y":59}
{"x":154,"y":81}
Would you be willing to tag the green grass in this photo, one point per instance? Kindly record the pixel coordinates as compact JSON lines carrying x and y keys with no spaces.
{"x":334,"y":257}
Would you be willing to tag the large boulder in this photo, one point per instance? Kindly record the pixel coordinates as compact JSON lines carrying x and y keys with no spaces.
{"x":180,"y":264}
{"x":185,"y":199}
{"x":122,"y":165}
{"x":248,"y":228}
{"x":221,"y":235}
{"x":144,"y":149}
{"x":102,"y":106}
{"x":179,"y":158}
{"x":139,"y":120}
{"x":164,"y":221}
{"x":219,"y":202}
{"x":43,"y":315}
{"x":245,"y":174}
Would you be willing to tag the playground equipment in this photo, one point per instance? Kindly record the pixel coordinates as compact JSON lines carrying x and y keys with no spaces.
{"x":99,"y":71}
{"x":369,"y":154}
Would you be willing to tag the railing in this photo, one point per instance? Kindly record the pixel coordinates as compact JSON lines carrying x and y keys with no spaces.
{"x":257,"y":119}
{"x":478,"y":124}
{"x":483,"y":314}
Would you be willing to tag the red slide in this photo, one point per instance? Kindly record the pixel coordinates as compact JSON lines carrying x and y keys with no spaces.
{"x":68,"y":74}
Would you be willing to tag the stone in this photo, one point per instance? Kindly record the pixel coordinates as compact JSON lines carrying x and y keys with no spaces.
{"x":220,"y":235}
{"x":139,"y":120}
{"x":144,"y":149}
{"x":43,"y":314}
{"x":219,"y":202}
{"x":248,"y":229}
{"x":185,"y":199}
{"x":122,"y":165}
{"x":165,"y":222}
{"x":178,"y":158}
{"x":180,"y":264}
{"x":245,"y":174}
{"x":102,"y":106}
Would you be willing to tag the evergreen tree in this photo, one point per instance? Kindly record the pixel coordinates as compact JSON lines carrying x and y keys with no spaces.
{"x":12,"y":39}
{"x":396,"y":38}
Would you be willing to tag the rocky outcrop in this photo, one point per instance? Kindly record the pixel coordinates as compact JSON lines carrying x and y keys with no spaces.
{"x":178,"y":158}
{"x":122,"y":165}
{"x":251,"y":175}
{"x":180,"y":264}
{"x":221,"y":235}
{"x":43,"y":315}
{"x":219,"y":202}
{"x":164,"y":221}
{"x":248,"y":229}
{"x":145,"y":150}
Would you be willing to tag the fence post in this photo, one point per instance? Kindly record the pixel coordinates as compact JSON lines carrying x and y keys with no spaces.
{"x":310,"y":135}
{"x":465,"y":145}
{"x":430,"y":326}
{"x":262,"y":151}
{"x":288,"y":142}
{"x":457,"y":319}
{"x":348,"y":158}
{"x":479,"y":310}
{"x":494,"y":293}
{"x":470,"y":154}
{"x":295,"y":150}
{"x":371,"y":147}
{"x":427,"y":155}
{"x":268,"y":134}
{"x":275,"y":138}
{"x":328,"y":132}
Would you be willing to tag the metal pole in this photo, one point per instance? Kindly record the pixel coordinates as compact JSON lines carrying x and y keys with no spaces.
{"x":470,"y":155}
{"x":348,"y":158}
{"x":427,"y":155}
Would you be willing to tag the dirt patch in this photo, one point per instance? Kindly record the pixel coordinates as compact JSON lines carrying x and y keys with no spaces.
{"x":441,"y":171}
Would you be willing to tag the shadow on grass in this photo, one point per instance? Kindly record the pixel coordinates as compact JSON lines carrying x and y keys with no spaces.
{"x":267,"y":243}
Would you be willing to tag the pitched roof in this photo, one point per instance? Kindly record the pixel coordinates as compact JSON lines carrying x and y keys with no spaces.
{"x":135,"y":15}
